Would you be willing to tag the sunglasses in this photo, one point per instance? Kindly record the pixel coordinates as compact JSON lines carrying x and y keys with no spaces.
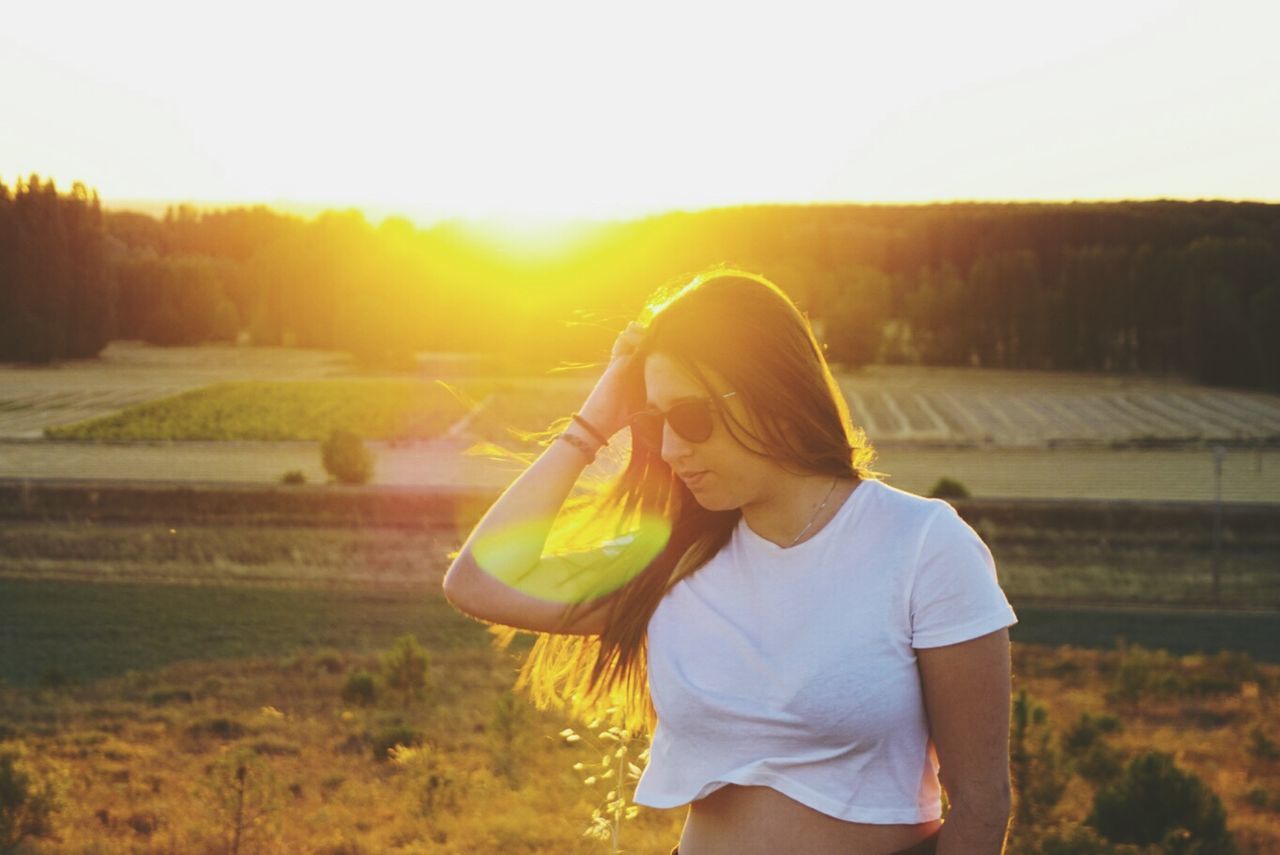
{"x":691,"y":420}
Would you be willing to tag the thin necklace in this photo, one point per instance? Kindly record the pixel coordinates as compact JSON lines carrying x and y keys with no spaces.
{"x":834,"y":481}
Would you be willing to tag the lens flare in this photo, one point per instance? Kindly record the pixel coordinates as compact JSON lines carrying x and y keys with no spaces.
{"x":571,"y":577}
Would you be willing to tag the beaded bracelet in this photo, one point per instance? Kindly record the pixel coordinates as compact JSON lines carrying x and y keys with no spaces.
{"x":591,"y":429}
{"x":580,"y":444}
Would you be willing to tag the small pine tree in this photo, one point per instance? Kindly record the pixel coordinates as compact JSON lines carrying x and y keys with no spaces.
{"x":508,"y":721}
{"x":1039,"y":774}
{"x":1156,"y":802}
{"x":244,"y":794}
{"x":404,"y":667}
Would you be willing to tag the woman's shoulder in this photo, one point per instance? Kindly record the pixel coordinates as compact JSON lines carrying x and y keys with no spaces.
{"x":890,"y":503}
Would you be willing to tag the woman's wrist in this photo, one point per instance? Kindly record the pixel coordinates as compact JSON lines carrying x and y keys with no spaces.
{"x":593,"y":428}
{"x":576,"y":437}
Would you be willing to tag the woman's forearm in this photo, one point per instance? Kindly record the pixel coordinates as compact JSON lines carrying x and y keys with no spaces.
{"x":514,"y":530}
{"x":975,"y":827}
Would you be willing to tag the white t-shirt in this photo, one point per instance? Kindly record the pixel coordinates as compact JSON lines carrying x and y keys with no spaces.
{"x":793,"y":668}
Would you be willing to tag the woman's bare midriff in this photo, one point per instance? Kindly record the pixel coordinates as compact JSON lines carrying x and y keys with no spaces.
{"x":749,"y":820}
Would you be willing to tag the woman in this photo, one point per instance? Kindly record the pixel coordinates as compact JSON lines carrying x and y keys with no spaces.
{"x":813,"y":651}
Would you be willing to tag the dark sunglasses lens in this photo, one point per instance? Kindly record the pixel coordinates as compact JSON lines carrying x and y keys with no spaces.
{"x":692,"y":420}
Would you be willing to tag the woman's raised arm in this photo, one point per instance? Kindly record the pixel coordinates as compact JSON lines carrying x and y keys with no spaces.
{"x":514,"y":531}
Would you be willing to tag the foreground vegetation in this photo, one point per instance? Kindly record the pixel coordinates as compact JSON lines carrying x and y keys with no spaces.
{"x":298,"y":752}
{"x":279,"y":689}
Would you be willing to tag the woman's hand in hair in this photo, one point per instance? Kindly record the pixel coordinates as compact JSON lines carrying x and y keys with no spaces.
{"x":620,"y":391}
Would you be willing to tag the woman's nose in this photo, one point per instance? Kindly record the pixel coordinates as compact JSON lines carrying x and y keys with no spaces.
{"x":673,"y":446}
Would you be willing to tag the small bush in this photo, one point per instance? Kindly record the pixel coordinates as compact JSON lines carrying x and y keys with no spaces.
{"x":948,"y":488}
{"x":1156,"y":802}
{"x":1064,"y":838}
{"x":224,"y":729}
{"x":1261,"y":746}
{"x":1101,"y":764}
{"x":1088,"y":731}
{"x":360,"y":689}
{"x":346,"y":458}
{"x":404,"y":667}
{"x":293,"y":476}
{"x":1258,"y":797}
{"x":169,"y":696}
{"x":330,"y":661}
{"x":391,"y":735}
{"x":28,"y":801}
{"x":1142,"y":673}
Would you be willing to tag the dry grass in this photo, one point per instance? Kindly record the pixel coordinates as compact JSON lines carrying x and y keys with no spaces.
{"x":144,"y":753}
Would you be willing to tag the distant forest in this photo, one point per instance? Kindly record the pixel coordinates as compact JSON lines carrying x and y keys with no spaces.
{"x":1184,"y":288}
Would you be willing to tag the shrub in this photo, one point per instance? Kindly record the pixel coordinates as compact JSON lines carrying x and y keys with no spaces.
{"x":169,"y":696}
{"x":1064,"y":838}
{"x":28,"y":801}
{"x":404,"y":667}
{"x":1261,"y":746}
{"x":1156,"y":802}
{"x":360,"y":689}
{"x":329,"y":661}
{"x":1101,"y":764}
{"x":390,"y":735}
{"x":224,"y":729}
{"x":293,"y":476}
{"x":1143,"y":673}
{"x":1258,"y":797}
{"x":948,"y":488}
{"x":346,"y":458}
{"x":1039,"y":776}
{"x":1087,"y":731}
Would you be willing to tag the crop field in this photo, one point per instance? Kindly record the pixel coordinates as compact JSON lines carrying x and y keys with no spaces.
{"x":894,"y":404}
{"x":222,"y":413}
{"x":128,"y":373}
{"x":403,"y":409}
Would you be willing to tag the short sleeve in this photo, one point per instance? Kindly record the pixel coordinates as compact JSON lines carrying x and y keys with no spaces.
{"x":955,"y":592}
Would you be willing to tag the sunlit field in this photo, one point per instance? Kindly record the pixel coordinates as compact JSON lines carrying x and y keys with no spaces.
{"x":274,"y":410}
{"x":1001,"y":433}
{"x":133,"y":698}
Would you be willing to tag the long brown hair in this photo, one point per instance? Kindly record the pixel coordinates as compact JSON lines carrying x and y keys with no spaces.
{"x":743,"y":327}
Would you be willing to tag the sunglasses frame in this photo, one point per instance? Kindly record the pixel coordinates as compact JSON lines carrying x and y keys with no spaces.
{"x":713,"y":403}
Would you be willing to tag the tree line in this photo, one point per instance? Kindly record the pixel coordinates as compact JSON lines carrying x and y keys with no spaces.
{"x":1186,"y":288}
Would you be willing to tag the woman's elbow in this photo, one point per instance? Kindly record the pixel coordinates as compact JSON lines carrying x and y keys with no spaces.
{"x":455,"y":583}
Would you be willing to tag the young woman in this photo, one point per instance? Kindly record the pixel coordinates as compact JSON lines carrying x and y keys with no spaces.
{"x":815,"y":653}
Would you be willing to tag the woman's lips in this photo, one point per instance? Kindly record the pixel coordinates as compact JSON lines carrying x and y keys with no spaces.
{"x":695,"y":480}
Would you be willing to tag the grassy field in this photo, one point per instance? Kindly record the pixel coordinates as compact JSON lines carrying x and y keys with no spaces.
{"x":137,"y":696}
{"x":138,"y":660}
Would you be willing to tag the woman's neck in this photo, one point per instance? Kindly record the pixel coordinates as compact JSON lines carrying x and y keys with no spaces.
{"x":797,"y":501}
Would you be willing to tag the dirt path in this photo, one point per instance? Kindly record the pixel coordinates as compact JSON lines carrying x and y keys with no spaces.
{"x":1014,"y":472}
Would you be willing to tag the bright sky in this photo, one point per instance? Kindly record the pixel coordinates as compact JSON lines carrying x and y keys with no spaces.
{"x":606,"y":109}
